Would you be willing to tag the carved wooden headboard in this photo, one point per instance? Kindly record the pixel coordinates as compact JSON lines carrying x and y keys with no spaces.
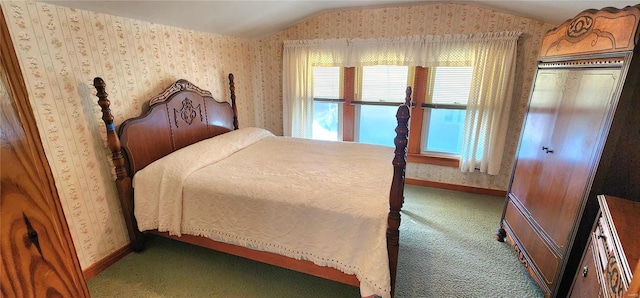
{"x":181,"y":115}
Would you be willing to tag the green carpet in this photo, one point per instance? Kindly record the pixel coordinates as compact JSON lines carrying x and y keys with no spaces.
{"x":447,"y":249}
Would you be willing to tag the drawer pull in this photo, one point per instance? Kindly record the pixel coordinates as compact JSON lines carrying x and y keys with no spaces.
{"x":602,"y":237}
{"x":585,"y":270}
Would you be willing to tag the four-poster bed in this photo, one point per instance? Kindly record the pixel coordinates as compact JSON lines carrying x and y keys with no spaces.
{"x":184,"y":121}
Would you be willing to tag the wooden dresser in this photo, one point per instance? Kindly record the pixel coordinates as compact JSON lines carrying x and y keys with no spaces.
{"x":580,"y":138}
{"x":613,"y":251}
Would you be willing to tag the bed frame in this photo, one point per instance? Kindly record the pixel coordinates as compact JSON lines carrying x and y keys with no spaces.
{"x":184,"y":114}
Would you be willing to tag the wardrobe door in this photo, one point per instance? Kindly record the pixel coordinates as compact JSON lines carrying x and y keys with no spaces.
{"x":560,"y":144}
{"x":37,"y":254}
{"x":543,"y":108}
{"x":573,"y":151}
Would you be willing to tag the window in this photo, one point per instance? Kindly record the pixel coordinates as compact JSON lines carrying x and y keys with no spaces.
{"x":359,"y":104}
{"x":445,"y":109}
{"x":492,"y":55}
{"x":326,"y":103}
{"x":379,"y":91}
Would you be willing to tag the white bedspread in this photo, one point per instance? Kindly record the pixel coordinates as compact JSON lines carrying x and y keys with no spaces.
{"x":326,"y":202}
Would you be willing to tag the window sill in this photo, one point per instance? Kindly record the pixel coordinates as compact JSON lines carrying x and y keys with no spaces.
{"x":434,"y":160}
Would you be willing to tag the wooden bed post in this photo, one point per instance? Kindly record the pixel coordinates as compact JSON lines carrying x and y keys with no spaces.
{"x":396,"y":195}
{"x":232,"y":88}
{"x":123,"y":181}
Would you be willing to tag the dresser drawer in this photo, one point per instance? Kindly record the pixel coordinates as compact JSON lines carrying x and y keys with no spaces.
{"x":615,"y":281}
{"x":532,"y":249}
{"x":588,"y":280}
{"x":617,"y":243}
{"x":613,"y":245}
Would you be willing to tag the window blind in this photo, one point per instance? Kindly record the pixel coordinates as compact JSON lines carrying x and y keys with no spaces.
{"x":384,"y":83}
{"x":326,"y":82}
{"x":451,"y":85}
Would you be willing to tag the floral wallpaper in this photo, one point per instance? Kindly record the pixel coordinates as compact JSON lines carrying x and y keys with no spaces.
{"x":61,"y":50}
{"x":424,"y":19}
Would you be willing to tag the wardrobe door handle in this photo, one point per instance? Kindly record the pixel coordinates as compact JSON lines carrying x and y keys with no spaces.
{"x":585,"y":270}
{"x":32,"y":234}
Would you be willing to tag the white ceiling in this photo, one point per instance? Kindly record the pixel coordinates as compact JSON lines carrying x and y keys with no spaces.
{"x":258,"y":19}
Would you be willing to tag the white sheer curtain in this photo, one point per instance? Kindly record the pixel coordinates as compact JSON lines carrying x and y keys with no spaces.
{"x":490,"y":97}
{"x":491,"y":54}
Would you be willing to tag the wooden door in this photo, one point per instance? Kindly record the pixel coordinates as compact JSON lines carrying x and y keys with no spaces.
{"x":37,"y":254}
{"x":574,"y":150}
{"x":541,"y":116}
{"x":561,"y":144}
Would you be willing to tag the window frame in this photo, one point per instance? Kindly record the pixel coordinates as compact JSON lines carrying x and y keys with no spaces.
{"x":357,"y":103}
{"x":423,"y":81}
{"x":338,"y":101}
{"x":420,"y":79}
{"x":427,"y":108}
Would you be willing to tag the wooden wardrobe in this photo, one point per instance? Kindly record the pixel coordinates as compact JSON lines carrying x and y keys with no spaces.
{"x":580,"y":138}
{"x":36,"y":250}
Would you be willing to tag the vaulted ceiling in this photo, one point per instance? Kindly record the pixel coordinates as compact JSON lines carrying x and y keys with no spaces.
{"x":258,"y":19}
